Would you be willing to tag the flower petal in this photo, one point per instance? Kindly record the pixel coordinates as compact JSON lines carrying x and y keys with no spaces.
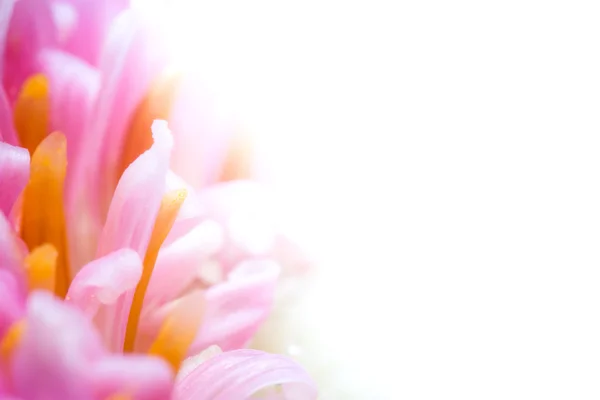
{"x":44,"y":221}
{"x":73,"y":88}
{"x":12,"y":306}
{"x":7,"y":129}
{"x":140,"y":377}
{"x":104,"y":280}
{"x":56,"y":351}
{"x":6,"y":10}
{"x":240,"y":374}
{"x":204,"y":131}
{"x":31,"y":29}
{"x":138,"y":196}
{"x":191,"y":363}
{"x":132,"y":215}
{"x":12,"y":251}
{"x":83,"y":25}
{"x":14,"y":174}
{"x":179,"y":263}
{"x":255,"y":226}
{"x":131,"y":58}
{"x":235,"y":309}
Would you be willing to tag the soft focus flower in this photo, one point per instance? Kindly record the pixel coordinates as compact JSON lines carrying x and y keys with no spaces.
{"x":155,"y":259}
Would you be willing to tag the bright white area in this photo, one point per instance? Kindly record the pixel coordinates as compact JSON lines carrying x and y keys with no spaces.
{"x":448,"y":154}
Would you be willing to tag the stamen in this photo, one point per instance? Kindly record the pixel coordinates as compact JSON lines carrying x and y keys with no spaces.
{"x":41,"y":268}
{"x":43,"y":218}
{"x":169,"y":208}
{"x":32,"y":112}
{"x":179,"y":330}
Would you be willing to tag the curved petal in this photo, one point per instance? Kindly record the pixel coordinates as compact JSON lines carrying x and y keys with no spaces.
{"x":139,"y":377}
{"x":14,"y":174}
{"x":242,"y":373}
{"x":55,"y":352}
{"x":190,"y":213}
{"x":180,"y":262}
{"x":104,"y":280}
{"x":132,"y":214}
{"x":235,"y":309}
{"x":132,"y":57}
{"x":137,"y":198}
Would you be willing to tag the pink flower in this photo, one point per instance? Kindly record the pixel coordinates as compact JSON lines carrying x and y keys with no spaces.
{"x":154,"y":267}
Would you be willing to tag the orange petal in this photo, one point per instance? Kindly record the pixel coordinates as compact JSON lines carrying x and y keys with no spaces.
{"x":119,"y":397}
{"x":43,"y":218}
{"x":156,"y":105}
{"x":169,"y":208}
{"x":238,"y":162}
{"x":41,"y":267}
{"x":11,"y":339}
{"x":32,"y":112}
{"x":179,"y":329}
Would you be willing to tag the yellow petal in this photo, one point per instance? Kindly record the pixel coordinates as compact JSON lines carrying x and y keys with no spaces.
{"x":41,"y":268}
{"x":43,"y":217}
{"x":32,"y":112}
{"x":169,"y":208}
{"x":179,"y":330}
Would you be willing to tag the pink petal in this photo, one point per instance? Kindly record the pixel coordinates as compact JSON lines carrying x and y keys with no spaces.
{"x":6,"y":10}
{"x":204,"y":129}
{"x":193,"y":362}
{"x":132,"y":213}
{"x":237,"y":375}
{"x":255,"y":226}
{"x":104,"y":280}
{"x":7,"y":133}
{"x":12,"y":252}
{"x":137,"y":197}
{"x":7,"y":129}
{"x":191,"y":212}
{"x":236,"y":308}
{"x":14,"y":175}
{"x":179,"y":263}
{"x":73,"y":88}
{"x":31,"y":29}
{"x":83,"y":25}
{"x":131,"y":60}
{"x":248,"y":214}
{"x":141,"y":377}
{"x":56,"y":351}
{"x":12,"y":306}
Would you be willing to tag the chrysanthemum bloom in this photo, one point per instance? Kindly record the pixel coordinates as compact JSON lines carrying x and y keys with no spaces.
{"x":101,"y":214}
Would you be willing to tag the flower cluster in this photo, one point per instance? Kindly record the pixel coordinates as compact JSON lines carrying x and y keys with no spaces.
{"x":137,"y":258}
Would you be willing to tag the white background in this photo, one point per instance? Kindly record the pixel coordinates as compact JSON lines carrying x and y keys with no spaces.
{"x":448,"y":153}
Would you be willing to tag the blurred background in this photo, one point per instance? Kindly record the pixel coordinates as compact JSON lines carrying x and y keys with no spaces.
{"x":439,"y":160}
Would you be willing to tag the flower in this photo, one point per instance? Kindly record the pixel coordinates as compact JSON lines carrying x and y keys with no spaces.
{"x":120,"y":262}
